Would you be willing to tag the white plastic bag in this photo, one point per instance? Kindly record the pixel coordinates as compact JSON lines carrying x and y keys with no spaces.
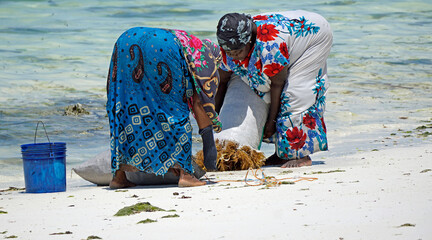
{"x":243,"y":114}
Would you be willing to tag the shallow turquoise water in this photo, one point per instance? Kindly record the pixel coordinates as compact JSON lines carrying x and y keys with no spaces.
{"x":56,"y":53}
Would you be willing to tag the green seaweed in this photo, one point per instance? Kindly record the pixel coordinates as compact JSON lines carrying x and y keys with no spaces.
{"x":3,"y":212}
{"x":11,"y":236}
{"x":10,"y":189}
{"x":4,"y":232}
{"x":61,"y":233}
{"x":425,"y":134}
{"x":321,"y":172}
{"x":137,"y":208}
{"x":93,"y":237}
{"x":426,"y":170}
{"x":287,"y":182}
{"x":171,"y":216}
{"x":407,"y":225}
{"x":148,"y":220}
{"x":121,"y":190}
{"x":76,"y":110}
{"x":287,"y":172}
{"x":422,"y":127}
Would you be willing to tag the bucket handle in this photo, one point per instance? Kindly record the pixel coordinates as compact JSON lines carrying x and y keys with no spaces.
{"x":46,"y":134}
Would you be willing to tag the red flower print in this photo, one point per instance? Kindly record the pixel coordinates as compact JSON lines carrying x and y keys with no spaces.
{"x":296,"y":138}
{"x":258,"y":65}
{"x":284,"y":50}
{"x":272,"y":69}
{"x":245,"y":62}
{"x":260,"y":17}
{"x":224,"y":56}
{"x":267,"y":32}
{"x":195,"y":42}
{"x":309,"y":121}
{"x":237,"y":62}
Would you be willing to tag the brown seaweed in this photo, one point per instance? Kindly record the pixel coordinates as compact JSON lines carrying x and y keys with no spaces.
{"x":231,"y":156}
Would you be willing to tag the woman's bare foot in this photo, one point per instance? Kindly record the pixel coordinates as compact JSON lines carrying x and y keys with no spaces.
{"x":305,"y":161}
{"x":274,"y":160}
{"x":188,"y":180}
{"x":120,"y":181}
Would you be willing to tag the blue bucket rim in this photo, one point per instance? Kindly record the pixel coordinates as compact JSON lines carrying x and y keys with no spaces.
{"x":49,"y":149}
{"x":42,"y":144}
{"x":59,"y":158}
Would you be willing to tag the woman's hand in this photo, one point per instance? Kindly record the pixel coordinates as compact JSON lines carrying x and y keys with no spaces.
{"x":209,"y":148}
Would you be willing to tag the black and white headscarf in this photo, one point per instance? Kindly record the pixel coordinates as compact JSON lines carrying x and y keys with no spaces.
{"x":234,"y":31}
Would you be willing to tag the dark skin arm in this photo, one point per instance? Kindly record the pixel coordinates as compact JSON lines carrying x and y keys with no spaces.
{"x":224,"y":78}
{"x":276,"y":87}
{"x":201,"y":116}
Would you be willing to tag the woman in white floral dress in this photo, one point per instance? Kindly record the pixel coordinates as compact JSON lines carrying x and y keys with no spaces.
{"x":282,"y":56}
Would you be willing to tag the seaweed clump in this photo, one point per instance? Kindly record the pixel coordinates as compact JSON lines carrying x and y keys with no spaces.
{"x":148,"y":220}
{"x":137,"y":208}
{"x":231,"y":156}
{"x":75,"y":110}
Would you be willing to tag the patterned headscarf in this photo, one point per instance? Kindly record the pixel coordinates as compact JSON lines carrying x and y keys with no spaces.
{"x":203,"y":58}
{"x":234,"y":31}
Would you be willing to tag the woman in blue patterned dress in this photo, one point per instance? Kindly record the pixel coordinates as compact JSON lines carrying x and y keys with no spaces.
{"x":156,"y":78}
{"x":282,"y":56}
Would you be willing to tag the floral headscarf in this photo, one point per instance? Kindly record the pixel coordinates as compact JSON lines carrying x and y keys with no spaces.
{"x":203,"y":57}
{"x":234,"y":31}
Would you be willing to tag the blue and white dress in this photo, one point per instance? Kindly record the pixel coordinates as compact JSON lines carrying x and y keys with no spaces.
{"x":152,"y":78}
{"x":302,"y":41}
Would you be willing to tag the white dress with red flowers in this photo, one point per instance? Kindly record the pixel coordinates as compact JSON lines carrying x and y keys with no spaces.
{"x":302,"y":41}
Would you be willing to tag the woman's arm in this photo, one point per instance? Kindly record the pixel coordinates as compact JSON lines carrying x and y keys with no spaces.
{"x":276,"y":87}
{"x":206,"y":131}
{"x":201,"y":116}
{"x":224,"y":78}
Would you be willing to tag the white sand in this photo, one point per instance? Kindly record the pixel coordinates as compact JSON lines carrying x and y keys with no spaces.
{"x":385,"y":194}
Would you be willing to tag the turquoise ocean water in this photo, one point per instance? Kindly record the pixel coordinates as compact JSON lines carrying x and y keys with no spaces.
{"x":56,"y":53}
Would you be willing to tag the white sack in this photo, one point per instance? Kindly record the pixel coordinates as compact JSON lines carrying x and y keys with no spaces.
{"x":243,"y":114}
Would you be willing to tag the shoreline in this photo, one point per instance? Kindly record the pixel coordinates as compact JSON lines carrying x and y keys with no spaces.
{"x":383,"y":194}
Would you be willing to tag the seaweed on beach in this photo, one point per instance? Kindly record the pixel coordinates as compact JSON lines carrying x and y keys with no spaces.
{"x":321,"y":172}
{"x":12,"y":236}
{"x":121,"y":190}
{"x":407,"y":225}
{"x":231,"y":156}
{"x":3,"y":212}
{"x":287,"y":182}
{"x":93,"y":237}
{"x":10,"y":189}
{"x":148,"y":220}
{"x":137,"y":208}
{"x":171,"y":216}
{"x":419,"y":131}
{"x":61,"y":233}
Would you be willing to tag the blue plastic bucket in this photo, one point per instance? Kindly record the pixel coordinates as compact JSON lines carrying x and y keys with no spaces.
{"x":44,"y":167}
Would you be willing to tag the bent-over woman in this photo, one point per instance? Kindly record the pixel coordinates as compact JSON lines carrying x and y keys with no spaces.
{"x":282,"y":56}
{"x":156,"y":78}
